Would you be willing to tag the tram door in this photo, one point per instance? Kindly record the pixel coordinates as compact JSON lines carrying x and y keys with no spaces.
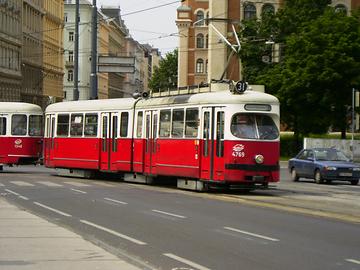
{"x":212,"y":151}
{"x":151,"y":127}
{"x":49,"y":142}
{"x":109,"y":135}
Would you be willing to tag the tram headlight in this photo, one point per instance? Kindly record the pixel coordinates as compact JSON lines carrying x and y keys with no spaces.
{"x":259,"y":159}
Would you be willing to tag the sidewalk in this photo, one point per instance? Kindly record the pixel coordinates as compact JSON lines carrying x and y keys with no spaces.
{"x":28,"y":242}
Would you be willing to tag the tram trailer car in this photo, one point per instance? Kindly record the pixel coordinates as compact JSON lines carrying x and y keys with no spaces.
{"x":194,"y":138}
{"x":21,"y":129}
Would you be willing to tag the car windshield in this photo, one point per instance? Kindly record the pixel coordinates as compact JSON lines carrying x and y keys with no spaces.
{"x":330,"y":154}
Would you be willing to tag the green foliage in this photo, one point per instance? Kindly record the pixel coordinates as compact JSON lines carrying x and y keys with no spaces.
{"x":320,"y":66}
{"x":165,"y":76}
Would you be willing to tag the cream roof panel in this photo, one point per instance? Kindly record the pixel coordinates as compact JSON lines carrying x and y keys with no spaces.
{"x":19,"y":107}
{"x":92,"y":105}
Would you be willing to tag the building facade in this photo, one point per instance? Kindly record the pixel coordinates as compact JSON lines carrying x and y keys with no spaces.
{"x":203,"y":56}
{"x":53,"y":59}
{"x":10,"y":50}
{"x":117,"y":47}
{"x":32,"y":52}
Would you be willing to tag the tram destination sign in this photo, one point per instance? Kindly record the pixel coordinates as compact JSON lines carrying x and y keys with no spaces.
{"x":116,"y":64}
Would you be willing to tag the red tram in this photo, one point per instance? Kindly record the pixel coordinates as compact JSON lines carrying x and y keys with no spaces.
{"x":21,"y":127}
{"x":209,"y":137}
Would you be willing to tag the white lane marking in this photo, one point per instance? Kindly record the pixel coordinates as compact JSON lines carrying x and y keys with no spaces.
{"x":115,"y":201}
{"x":12,"y":192}
{"x":192,"y":264}
{"x":77,"y":184}
{"x":79,"y":191}
{"x":52,"y":209}
{"x":22,"y":183}
{"x":353,"y":261}
{"x":167,"y":213}
{"x":2,"y":185}
{"x":252,"y":234}
{"x":49,"y":184}
{"x":114,"y":233}
{"x":17,"y":194}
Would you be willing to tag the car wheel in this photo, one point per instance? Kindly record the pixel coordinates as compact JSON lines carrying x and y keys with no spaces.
{"x":354,"y":182}
{"x":318,"y":177}
{"x":294,"y":175}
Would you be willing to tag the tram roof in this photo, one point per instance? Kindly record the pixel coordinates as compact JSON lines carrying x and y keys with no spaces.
{"x":19,"y":107}
{"x":220,"y":97}
{"x":92,"y":105}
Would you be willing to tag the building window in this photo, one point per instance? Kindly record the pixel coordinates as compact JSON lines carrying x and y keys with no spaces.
{"x":268,"y":9}
{"x":71,"y":36}
{"x":200,"y":41}
{"x":71,"y":56}
{"x":249,"y":11}
{"x":207,"y":41}
{"x":70,"y":76}
{"x":200,"y":18}
{"x":200,"y":66}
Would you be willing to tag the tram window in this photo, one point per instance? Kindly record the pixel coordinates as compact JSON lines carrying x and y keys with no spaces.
{"x":62,"y":125}
{"x":35,"y":125}
{"x":2,"y":125}
{"x":18,"y":124}
{"x":177,"y":123}
{"x":91,"y":124}
{"x":220,"y":134}
{"x":254,"y":126}
{"x":124,"y":124}
{"x":139,"y":125}
{"x":206,"y":134}
{"x":76,"y":128}
{"x":165,"y":117}
{"x":267,"y":127}
{"x":191,"y":122}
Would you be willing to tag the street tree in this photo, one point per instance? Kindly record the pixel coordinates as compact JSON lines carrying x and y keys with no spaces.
{"x":165,"y":76}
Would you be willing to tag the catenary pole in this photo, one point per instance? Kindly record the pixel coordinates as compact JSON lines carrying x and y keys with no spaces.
{"x":76,"y":52}
{"x":93,"y":75}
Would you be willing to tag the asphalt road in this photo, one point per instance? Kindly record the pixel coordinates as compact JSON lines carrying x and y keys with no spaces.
{"x":295,"y":225}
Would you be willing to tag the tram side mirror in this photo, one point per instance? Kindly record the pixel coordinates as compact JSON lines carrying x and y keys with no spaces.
{"x":145,"y":94}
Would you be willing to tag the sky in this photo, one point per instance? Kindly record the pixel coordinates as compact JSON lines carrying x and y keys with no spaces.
{"x":156,"y":26}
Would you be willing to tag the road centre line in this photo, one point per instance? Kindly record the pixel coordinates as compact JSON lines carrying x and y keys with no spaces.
{"x":353,"y":261}
{"x":113,"y":232}
{"x":182,"y":260}
{"x":79,"y":191}
{"x":167,"y":213}
{"x":52,"y":209}
{"x":115,"y":201}
{"x":252,"y":234}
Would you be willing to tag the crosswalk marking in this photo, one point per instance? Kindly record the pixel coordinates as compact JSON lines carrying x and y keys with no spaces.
{"x":77,"y":184}
{"x":22,"y":183}
{"x":49,"y":184}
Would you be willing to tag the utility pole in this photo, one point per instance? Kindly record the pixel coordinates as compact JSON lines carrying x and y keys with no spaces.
{"x":76,"y":52}
{"x":352,"y":122}
{"x":93,"y":75}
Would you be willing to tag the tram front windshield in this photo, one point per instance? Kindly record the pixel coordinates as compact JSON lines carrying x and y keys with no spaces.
{"x":254,"y":126}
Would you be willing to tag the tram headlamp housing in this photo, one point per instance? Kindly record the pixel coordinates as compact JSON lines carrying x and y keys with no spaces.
{"x":259,"y":159}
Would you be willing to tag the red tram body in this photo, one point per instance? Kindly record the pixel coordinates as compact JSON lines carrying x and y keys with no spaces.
{"x":192,"y":137}
{"x":21,"y":128}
